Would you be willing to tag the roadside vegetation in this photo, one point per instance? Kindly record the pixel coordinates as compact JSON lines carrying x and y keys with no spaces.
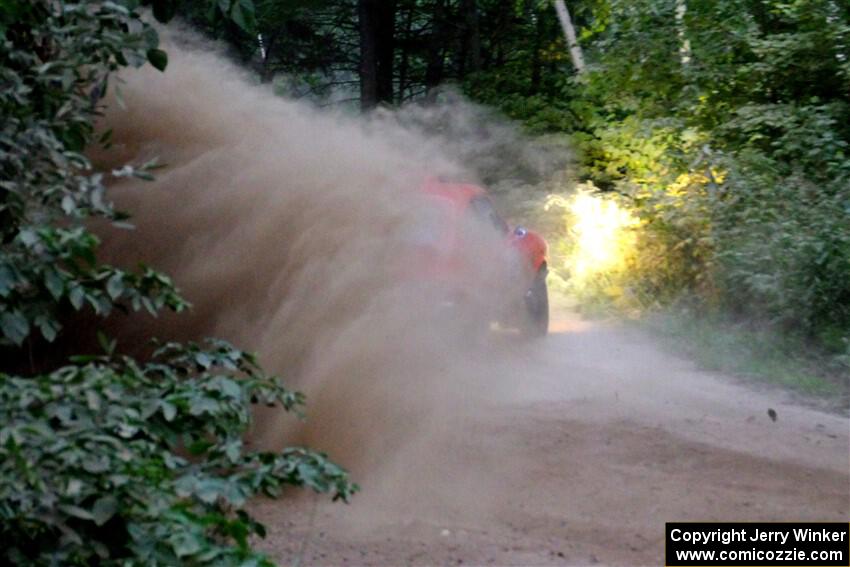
{"x":106,"y":459}
{"x":723,"y":344}
{"x":721,"y":129}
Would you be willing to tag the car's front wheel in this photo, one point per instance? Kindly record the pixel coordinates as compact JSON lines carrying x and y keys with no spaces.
{"x":536,"y":321}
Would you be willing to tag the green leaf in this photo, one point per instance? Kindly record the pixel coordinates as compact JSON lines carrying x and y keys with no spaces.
{"x":233,"y":450}
{"x":242,"y":14}
{"x":203,"y":360}
{"x":93,"y":400}
{"x":202,"y":404}
{"x":106,"y":137}
{"x":149,"y":305}
{"x":28,"y":237}
{"x":229,"y":388}
{"x":75,"y":485}
{"x":7,"y":280}
{"x":143,"y":175}
{"x":96,"y":464}
{"x":115,"y":285}
{"x":199,"y":446}
{"x":169,"y":411}
{"x":106,"y":344}
{"x":53,"y":282}
{"x":116,"y":7}
{"x":76,"y":296}
{"x":49,"y":328}
{"x":75,"y":137}
{"x":185,"y":543}
{"x":83,"y":358}
{"x":16,"y":327}
{"x":76,"y":511}
{"x":104,"y":508}
{"x":158,"y":58}
{"x":69,"y":205}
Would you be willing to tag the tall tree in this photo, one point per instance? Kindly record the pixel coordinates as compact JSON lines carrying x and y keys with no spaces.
{"x":385,"y":49}
{"x":570,"y":34}
{"x":368,"y":54}
{"x":469,"y":53}
{"x":435,"y":63}
{"x":376,"y":24}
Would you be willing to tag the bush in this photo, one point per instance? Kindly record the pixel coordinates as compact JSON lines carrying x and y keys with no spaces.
{"x":723,"y":130}
{"x":783,"y":248}
{"x":112,"y":460}
{"x":106,"y":459}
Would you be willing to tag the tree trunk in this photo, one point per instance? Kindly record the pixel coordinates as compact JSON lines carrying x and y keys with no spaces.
{"x":570,"y":34}
{"x":684,"y":42}
{"x":404,"y":66}
{"x":368,"y":54}
{"x":385,"y":49}
{"x":469,"y":54}
{"x":436,"y":44}
{"x":267,"y":47}
{"x":377,"y":50}
{"x":536,"y":63}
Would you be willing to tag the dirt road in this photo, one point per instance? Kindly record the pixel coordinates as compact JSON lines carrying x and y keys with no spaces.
{"x":601,"y":438}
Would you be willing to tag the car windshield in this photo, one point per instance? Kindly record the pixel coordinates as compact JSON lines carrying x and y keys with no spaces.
{"x":483,"y":209}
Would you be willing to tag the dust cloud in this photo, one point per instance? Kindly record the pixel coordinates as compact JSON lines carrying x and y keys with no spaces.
{"x":288,"y":228}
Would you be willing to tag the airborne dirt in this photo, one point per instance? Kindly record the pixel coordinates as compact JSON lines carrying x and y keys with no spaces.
{"x":603,"y":438}
{"x":287,"y":227}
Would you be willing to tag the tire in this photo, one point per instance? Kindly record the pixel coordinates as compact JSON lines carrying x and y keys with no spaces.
{"x":536,"y":321}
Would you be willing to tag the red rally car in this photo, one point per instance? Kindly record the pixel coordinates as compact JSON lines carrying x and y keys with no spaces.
{"x":454,"y":215}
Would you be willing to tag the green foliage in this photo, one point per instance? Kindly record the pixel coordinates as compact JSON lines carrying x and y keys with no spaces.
{"x":53,"y":266}
{"x":300,"y":39}
{"x":106,"y":459}
{"x":732,"y":152}
{"x":720,"y":342}
{"x":111,"y":460}
{"x":54,"y":65}
{"x":783,"y":247}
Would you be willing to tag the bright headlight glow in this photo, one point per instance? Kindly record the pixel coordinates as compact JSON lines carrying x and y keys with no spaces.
{"x":600,"y":239}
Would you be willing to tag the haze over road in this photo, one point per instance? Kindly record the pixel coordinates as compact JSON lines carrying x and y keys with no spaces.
{"x":600,"y":437}
{"x":573,"y":449}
